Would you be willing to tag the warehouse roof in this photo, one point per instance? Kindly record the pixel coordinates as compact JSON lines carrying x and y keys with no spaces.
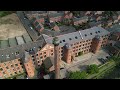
{"x":79,"y":35}
{"x":27,"y":38}
{"x":4,"y":43}
{"x":12,"y":42}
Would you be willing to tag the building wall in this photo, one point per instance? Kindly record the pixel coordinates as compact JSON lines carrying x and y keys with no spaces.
{"x":29,"y":66}
{"x":11,"y":68}
{"x":56,"y":19}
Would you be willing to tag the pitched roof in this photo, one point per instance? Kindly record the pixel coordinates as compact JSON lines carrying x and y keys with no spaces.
{"x":81,"y":18}
{"x":48,"y":62}
{"x":79,"y":35}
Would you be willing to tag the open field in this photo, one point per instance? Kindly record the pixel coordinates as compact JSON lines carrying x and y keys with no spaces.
{"x":10,"y":26}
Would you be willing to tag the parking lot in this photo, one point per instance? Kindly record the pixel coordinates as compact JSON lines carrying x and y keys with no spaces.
{"x":80,"y":63}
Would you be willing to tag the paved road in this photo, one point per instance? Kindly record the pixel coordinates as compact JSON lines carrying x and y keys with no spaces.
{"x":26,"y":23}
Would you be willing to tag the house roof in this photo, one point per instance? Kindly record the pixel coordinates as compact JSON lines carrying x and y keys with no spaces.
{"x":79,"y":35}
{"x":12,"y":42}
{"x":55,"y":14}
{"x":81,"y":18}
{"x":4,"y":43}
{"x":20,"y":40}
{"x":11,"y":51}
{"x":48,"y":62}
{"x":27,"y":38}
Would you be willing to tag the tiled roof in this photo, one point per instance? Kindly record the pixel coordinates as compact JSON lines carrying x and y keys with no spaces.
{"x":82,"y":18}
{"x":79,"y":35}
{"x":18,"y":51}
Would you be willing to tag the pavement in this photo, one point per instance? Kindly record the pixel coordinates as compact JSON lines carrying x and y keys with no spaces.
{"x":26,"y":23}
{"x":80,"y":63}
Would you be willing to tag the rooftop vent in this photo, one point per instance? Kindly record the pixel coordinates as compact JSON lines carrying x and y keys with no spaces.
{"x":90,"y":33}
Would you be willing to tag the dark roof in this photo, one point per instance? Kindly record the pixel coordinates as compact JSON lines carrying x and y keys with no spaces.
{"x":79,"y":35}
{"x":12,"y":42}
{"x":117,"y":44}
{"x":55,"y":14}
{"x":52,"y":24}
{"x":27,"y":38}
{"x":11,"y":51}
{"x":48,"y":62}
{"x":82,"y":18}
{"x":4,"y":43}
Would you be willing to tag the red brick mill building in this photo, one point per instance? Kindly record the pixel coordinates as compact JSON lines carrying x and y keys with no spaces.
{"x":28,"y":56}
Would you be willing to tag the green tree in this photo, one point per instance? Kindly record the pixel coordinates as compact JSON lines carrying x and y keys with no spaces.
{"x":92,"y":69}
{"x":77,"y":75}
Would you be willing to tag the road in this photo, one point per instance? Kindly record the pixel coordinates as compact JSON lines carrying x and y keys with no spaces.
{"x":26,"y":23}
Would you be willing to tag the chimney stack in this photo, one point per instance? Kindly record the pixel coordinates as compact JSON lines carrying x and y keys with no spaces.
{"x":56,"y":57}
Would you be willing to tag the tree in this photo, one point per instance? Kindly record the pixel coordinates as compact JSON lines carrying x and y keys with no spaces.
{"x":92,"y":69}
{"x":77,"y":75}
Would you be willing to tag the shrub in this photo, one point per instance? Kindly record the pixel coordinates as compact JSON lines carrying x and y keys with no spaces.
{"x":77,"y":75}
{"x":92,"y":69}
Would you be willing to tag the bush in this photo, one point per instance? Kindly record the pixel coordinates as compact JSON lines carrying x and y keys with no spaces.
{"x":77,"y":75}
{"x":92,"y":69}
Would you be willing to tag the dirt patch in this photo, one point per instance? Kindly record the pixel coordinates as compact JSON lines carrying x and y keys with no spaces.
{"x":10,"y":26}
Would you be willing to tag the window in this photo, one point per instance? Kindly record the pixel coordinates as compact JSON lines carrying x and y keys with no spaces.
{"x":76,"y":37}
{"x":70,"y":39}
{"x":98,"y":31}
{"x":36,"y":54}
{"x":51,"y":53}
{"x":44,"y":52}
{"x":40,"y":53}
{"x":51,"y":50}
{"x":63,"y":40}
{"x":18,"y":68}
{"x":38,"y":61}
{"x":60,"y":41}
{"x":85,"y":35}
{"x":1,"y":69}
{"x":7,"y":67}
{"x":41,"y":57}
{"x":16,"y":64}
{"x":11,"y":65}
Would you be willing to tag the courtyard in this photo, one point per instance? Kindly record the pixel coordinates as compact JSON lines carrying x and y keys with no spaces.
{"x":80,"y":63}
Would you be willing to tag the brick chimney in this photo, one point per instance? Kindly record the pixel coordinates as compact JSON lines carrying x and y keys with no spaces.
{"x":56,"y":57}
